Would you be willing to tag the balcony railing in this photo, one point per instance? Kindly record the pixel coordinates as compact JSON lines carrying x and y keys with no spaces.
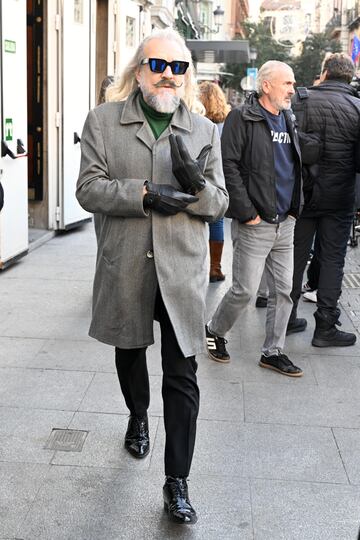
{"x":352,"y":14}
{"x":333,"y":23}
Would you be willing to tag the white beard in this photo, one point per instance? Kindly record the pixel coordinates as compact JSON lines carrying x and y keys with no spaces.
{"x":167,"y":103}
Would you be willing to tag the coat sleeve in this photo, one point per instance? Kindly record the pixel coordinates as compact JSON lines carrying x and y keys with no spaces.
{"x":357,"y":152}
{"x":213,"y":199}
{"x":96,"y":191}
{"x":233,"y":145}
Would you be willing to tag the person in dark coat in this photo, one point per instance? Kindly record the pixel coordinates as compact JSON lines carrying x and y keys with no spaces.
{"x":151,"y":169}
{"x":331,"y":111}
{"x":262,"y":168}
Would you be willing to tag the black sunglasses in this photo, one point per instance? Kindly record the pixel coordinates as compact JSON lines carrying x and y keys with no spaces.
{"x":158,"y":65}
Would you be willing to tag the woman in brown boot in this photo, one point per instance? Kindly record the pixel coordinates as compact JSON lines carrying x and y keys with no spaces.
{"x":216,"y":243}
{"x":216,"y":109}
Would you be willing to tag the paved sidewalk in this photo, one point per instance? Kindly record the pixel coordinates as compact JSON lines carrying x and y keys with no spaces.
{"x":276,"y":458}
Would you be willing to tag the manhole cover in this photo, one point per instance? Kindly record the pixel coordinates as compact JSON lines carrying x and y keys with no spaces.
{"x":66,"y":440}
{"x":351,"y":281}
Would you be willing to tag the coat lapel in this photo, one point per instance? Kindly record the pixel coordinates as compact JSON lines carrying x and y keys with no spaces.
{"x":133,"y":114}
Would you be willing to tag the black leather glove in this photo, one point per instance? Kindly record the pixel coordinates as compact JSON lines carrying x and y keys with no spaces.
{"x":166,"y":199}
{"x":187,"y":171}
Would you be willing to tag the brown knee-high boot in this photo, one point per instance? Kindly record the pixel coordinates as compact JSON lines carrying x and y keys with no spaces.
{"x":216,"y":248}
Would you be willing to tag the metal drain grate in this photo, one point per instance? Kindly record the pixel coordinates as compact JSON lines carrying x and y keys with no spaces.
{"x":66,"y":440}
{"x":351,"y":281}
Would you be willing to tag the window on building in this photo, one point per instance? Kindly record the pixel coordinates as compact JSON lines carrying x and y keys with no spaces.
{"x":79,"y":11}
{"x":130,"y":32}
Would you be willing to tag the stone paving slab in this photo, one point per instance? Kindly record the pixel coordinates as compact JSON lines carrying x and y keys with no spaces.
{"x":50,"y":263}
{"x":23,"y":324}
{"x":42,"y":389}
{"x":89,"y":355}
{"x":104,"y":396}
{"x":24,"y":433}
{"x":258,"y":450}
{"x":40,"y":295}
{"x":337,"y":371}
{"x":348,"y":441}
{"x":298,"y":511}
{"x":104,"y":444}
{"x":19,"y":484}
{"x":64,"y":273}
{"x":17,"y":352}
{"x":293,"y":404}
{"x":100,"y":504}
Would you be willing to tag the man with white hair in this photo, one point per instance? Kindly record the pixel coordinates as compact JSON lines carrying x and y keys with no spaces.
{"x":262,"y":168}
{"x":151,"y":169}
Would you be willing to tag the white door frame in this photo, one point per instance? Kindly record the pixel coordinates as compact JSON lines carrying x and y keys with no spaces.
{"x":13,"y":118}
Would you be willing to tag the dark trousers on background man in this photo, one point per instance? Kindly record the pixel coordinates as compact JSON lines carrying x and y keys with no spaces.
{"x":332,"y":231}
{"x":180,"y":392}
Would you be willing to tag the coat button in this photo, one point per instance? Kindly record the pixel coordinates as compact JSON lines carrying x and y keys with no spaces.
{"x":150,"y":254}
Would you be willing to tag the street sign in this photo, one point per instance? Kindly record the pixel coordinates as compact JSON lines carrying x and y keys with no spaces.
{"x":252,"y":72}
{"x":248,"y":84}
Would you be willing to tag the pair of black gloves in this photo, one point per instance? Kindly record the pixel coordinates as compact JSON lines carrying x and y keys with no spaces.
{"x":167,"y":200}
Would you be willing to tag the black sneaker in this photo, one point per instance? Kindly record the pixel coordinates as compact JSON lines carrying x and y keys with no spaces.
{"x":216,"y":347}
{"x":280,"y":363}
{"x":332,"y":338}
{"x":296,"y":325}
{"x":261,"y":301}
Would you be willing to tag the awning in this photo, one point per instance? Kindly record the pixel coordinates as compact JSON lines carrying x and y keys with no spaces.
{"x":232,"y":52}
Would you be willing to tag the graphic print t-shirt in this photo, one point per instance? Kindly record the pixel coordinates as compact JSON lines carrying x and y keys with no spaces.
{"x":283,"y":161}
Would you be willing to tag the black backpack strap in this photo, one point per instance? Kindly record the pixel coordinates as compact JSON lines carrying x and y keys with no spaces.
{"x":302,"y":92}
{"x":300,"y":105}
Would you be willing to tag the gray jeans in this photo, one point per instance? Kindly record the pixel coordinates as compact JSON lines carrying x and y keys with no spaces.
{"x":255,"y":246}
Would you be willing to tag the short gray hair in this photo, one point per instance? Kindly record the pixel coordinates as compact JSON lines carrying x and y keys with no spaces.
{"x":267,"y":72}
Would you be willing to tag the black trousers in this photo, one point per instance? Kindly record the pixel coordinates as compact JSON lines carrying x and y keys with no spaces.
{"x":180,"y":392}
{"x":332,"y":234}
{"x":313,"y":271}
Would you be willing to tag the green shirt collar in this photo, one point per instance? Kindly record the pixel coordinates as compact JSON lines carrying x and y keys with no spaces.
{"x":151,"y":113}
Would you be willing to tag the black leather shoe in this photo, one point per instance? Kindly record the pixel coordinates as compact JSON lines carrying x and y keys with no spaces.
{"x":280,"y":363}
{"x":137,"y":441}
{"x":297,"y":325}
{"x":176,"y":501}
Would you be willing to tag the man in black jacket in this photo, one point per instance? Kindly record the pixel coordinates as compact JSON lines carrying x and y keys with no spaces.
{"x":331,"y":111}
{"x":262,"y":167}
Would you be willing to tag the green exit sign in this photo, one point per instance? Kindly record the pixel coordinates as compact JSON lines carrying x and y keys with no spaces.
{"x":8,"y":129}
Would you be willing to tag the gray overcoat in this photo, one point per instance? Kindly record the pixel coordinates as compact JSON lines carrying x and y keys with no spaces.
{"x":139,"y":250}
